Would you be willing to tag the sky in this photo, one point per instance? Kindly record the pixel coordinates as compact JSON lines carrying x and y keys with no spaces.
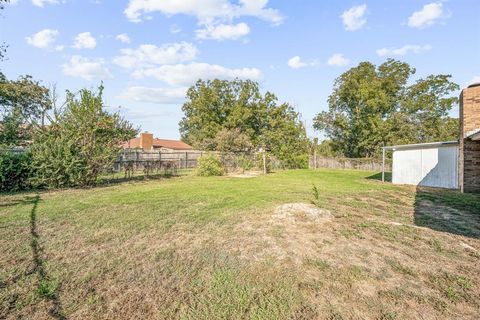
{"x":148,"y":52}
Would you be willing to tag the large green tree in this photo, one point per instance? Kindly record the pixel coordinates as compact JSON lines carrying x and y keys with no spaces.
{"x":23,"y":103}
{"x":236,"y":112}
{"x":373,"y":106}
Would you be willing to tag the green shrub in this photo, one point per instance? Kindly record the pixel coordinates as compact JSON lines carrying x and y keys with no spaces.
{"x":58,"y":160}
{"x":15,"y":171}
{"x":81,"y":141}
{"x":209,"y":165}
{"x":245,"y":162}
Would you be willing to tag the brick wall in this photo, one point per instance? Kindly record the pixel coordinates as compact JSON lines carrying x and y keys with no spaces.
{"x":469,"y":170}
{"x":146,"y":141}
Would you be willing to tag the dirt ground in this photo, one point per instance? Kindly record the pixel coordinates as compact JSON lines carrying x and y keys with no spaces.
{"x":223,"y":248}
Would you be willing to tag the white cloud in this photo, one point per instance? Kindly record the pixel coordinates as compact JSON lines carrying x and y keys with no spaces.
{"x":88,"y":69}
{"x":41,"y":3}
{"x":149,"y":54}
{"x":187,"y":74}
{"x":155,"y":95}
{"x":338,"y":60}
{"x":85,"y":40}
{"x":43,"y":39}
{"x":354,"y":18}
{"x":426,"y":17}
{"x":223,"y":31}
{"x":297,"y":63}
{"x":403,"y":50}
{"x":205,"y":11}
{"x":123,"y":37}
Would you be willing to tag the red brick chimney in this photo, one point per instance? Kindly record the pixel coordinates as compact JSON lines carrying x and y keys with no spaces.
{"x":469,"y":168}
{"x":146,"y":141}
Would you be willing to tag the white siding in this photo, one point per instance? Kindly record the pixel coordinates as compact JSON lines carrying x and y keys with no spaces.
{"x":434,"y":167}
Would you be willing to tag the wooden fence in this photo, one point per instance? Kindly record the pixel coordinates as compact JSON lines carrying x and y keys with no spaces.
{"x":369,"y":164}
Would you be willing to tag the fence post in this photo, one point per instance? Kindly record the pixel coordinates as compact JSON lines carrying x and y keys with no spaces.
{"x":264,"y":163}
{"x":186,"y":160}
{"x":383,"y":164}
{"x":136,"y":159}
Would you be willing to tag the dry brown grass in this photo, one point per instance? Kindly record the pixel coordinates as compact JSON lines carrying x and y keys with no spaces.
{"x":210,"y":248}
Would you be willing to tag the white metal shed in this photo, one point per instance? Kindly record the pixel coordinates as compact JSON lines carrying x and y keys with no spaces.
{"x":426,"y":164}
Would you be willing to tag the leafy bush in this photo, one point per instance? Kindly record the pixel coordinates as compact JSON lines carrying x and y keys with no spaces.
{"x":58,"y":160}
{"x":209,"y":165}
{"x":298,"y":161}
{"x":245,"y":162}
{"x":15,"y":171}
{"x":81,"y":141}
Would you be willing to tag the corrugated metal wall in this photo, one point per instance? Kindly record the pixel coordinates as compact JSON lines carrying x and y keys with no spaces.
{"x":433,"y":167}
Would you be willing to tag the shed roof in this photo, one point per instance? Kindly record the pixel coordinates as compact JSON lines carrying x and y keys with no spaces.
{"x":422,"y":145}
{"x":475,"y":135}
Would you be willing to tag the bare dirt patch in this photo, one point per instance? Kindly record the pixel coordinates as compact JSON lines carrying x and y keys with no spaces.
{"x":245,"y":175}
{"x":302,"y":212}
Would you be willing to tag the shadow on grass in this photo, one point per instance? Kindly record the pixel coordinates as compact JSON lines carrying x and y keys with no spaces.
{"x":47,"y":288}
{"x":109,"y":180}
{"x":448,"y":211}
{"x":378,"y":176}
{"x":444,"y":210}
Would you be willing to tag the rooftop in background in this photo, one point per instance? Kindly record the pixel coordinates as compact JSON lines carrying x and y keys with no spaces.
{"x":146,"y":141}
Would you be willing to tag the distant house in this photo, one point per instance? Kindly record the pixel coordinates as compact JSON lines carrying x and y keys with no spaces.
{"x":147,"y":142}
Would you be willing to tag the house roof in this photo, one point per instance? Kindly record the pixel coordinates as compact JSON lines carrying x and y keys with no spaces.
{"x":422,"y":145}
{"x":159,"y":143}
{"x":171,"y":144}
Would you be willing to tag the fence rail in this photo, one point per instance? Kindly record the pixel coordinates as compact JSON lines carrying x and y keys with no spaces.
{"x":369,"y":164}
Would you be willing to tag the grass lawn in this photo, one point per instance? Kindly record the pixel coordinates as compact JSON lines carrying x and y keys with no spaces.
{"x":211,"y":248}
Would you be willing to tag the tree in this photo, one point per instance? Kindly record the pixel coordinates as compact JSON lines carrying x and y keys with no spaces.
{"x":13,"y":133}
{"x":218,"y":110}
{"x":23,"y":102}
{"x":325,"y":149}
{"x":82,"y":140}
{"x":232,"y":140}
{"x":374,"y":106}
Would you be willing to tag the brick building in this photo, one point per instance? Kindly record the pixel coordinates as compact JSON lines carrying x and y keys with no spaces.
{"x":469,"y":152}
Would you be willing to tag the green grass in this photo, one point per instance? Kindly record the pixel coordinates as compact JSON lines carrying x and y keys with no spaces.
{"x":209,"y":248}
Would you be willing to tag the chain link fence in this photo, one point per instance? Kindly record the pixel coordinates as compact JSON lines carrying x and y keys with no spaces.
{"x":369,"y":164}
{"x":133,"y":163}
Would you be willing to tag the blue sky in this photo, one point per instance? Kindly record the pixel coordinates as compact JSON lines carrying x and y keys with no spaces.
{"x":148,"y":52}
